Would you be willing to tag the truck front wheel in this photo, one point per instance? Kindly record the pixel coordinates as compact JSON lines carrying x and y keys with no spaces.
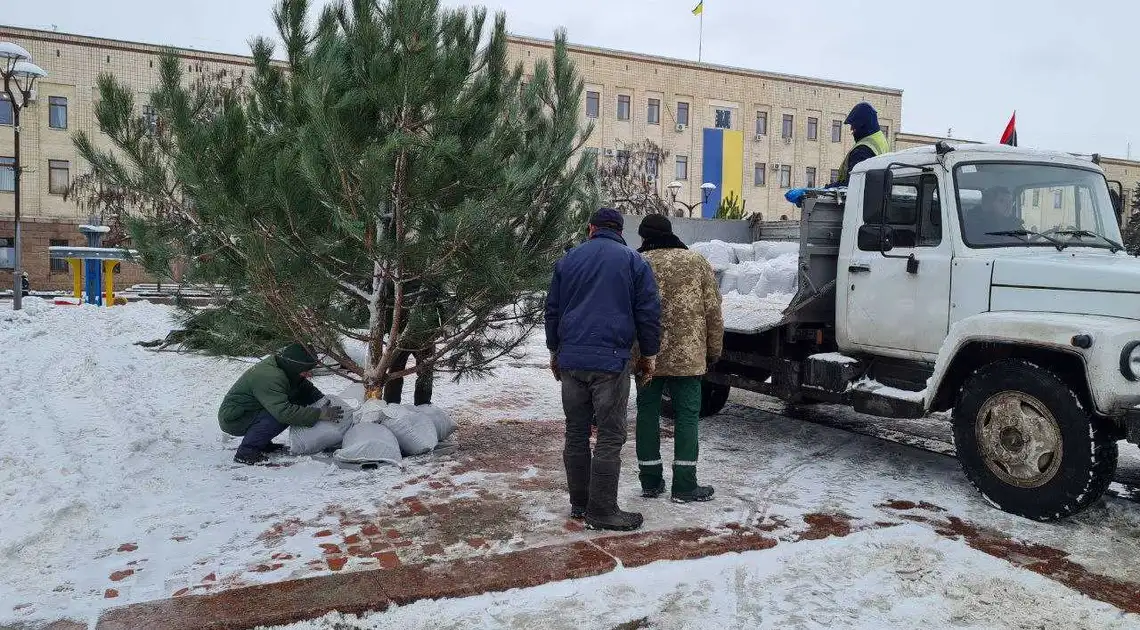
{"x":1028,"y":445}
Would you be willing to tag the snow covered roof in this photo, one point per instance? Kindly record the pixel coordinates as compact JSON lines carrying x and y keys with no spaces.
{"x":967,"y":151}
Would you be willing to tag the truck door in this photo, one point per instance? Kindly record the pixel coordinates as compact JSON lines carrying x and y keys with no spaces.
{"x":892,"y":310}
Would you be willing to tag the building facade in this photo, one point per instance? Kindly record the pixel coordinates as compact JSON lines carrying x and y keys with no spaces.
{"x":752,"y":134}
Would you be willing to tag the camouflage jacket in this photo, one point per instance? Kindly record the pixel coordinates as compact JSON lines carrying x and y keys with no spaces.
{"x":692,"y":327}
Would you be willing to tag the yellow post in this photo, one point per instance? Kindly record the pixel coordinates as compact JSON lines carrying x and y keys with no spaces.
{"x":75,"y":265}
{"x":109,"y":282}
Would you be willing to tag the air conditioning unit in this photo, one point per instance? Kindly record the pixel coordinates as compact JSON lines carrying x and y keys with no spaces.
{"x":774,"y":167}
{"x":758,"y":137}
{"x":681,"y":127}
{"x":650,"y":178}
{"x":787,"y":139}
{"x":608,"y":152}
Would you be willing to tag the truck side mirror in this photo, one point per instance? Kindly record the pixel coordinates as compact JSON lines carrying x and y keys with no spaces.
{"x":876,"y":238}
{"x":877,"y":187}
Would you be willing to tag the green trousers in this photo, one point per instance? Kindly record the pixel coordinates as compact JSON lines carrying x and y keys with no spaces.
{"x":685,"y":392}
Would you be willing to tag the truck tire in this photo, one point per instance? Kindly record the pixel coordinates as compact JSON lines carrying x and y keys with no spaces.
{"x":1028,"y":445}
{"x":713,"y":399}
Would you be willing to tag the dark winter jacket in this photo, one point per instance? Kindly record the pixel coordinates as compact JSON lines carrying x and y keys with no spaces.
{"x":275,"y":385}
{"x":603,"y":298}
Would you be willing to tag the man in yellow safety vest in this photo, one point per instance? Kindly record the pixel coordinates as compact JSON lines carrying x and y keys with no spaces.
{"x":869,"y":139}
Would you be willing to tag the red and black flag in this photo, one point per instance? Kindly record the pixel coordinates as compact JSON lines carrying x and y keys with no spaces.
{"x":1009,"y":136}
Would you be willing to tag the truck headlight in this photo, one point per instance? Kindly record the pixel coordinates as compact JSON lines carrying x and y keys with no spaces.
{"x":1130,"y":361}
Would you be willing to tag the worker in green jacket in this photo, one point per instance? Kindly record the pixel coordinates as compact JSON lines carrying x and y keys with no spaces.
{"x":269,"y":398}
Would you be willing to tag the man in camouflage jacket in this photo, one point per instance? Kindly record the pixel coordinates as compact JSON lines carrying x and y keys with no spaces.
{"x":692,"y":335}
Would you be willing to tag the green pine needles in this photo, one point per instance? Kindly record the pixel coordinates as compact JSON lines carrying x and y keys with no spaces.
{"x":395,"y":182}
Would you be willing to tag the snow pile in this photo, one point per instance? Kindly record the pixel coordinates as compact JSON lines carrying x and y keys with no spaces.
{"x":904,"y":577}
{"x":757,"y":280}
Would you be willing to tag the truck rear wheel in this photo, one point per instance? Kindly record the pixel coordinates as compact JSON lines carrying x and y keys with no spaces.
{"x":713,"y":399}
{"x":1028,"y":445}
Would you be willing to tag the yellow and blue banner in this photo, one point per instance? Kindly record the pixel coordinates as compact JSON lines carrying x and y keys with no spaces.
{"x":722,"y":160}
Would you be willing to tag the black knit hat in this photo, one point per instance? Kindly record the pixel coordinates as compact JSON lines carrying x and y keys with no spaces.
{"x":655,"y":226}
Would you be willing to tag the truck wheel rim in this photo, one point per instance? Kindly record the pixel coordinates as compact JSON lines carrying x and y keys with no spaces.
{"x":1019,"y":439}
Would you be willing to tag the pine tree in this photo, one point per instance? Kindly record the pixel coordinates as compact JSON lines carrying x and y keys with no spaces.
{"x":395,"y":183}
{"x":1132,"y":225}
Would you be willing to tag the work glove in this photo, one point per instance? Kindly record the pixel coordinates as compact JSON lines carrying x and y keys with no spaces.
{"x":646,"y":367}
{"x":332,"y":414}
{"x":554,"y":369}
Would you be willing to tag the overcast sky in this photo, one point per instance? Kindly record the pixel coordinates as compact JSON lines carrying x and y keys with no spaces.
{"x":1066,"y":67}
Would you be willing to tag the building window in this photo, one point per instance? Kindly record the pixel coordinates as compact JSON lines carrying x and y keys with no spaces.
{"x":1036,"y":197}
{"x":809,"y":177}
{"x":623,"y":107}
{"x":7,"y":174}
{"x":789,"y":123}
{"x":57,"y":112}
{"x":834,"y":175}
{"x":623,"y":159}
{"x":813,"y":129}
{"x":651,"y":164}
{"x":837,"y":131}
{"x":682,"y":167}
{"x":58,"y":265}
{"x":887,"y":132}
{"x":653,"y":112}
{"x":723,"y":118}
{"x":785,"y":176}
{"x":1058,"y":198}
{"x":6,"y":117}
{"x":759,"y":173}
{"x":761,"y":123}
{"x":150,"y":117}
{"x":59,"y":176}
{"x":593,"y":102}
{"x":682,"y":113}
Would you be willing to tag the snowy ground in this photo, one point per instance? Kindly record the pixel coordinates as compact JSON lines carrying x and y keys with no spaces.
{"x":902,"y":578}
{"x":116,"y":486}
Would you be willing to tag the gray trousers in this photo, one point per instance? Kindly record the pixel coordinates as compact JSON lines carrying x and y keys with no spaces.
{"x":594,"y":398}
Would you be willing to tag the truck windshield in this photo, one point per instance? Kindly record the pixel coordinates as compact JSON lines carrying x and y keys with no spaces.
{"x":1003,"y":204}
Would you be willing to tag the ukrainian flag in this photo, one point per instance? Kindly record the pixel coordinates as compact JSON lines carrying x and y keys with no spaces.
{"x":700,"y":8}
{"x":722,"y":164}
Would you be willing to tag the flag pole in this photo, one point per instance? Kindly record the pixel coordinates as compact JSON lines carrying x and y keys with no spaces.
{"x":701,"y":37}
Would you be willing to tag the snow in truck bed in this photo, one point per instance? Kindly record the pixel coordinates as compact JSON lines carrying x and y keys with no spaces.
{"x":757,"y":280}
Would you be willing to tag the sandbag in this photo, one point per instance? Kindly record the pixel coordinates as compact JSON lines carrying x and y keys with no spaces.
{"x":371,"y":411}
{"x":353,"y":395}
{"x":369,"y":442}
{"x":414,"y":430}
{"x":321,"y":436}
{"x":444,"y":425}
{"x":744,"y":252}
{"x":719,"y":254}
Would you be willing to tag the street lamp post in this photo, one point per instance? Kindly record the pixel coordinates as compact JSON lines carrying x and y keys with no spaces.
{"x":19,"y":74}
{"x":706,"y":189}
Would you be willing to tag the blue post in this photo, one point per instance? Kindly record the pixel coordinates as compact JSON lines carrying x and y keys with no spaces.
{"x":93,"y":282}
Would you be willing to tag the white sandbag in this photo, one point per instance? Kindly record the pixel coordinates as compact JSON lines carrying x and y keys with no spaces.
{"x":353,"y":395}
{"x":414,"y":430}
{"x":747,"y":274}
{"x":767,"y":250}
{"x":730,"y":280}
{"x":444,"y":425}
{"x":719,"y":254}
{"x":369,"y":442}
{"x":744,"y":252}
{"x":371,"y":411}
{"x":778,"y":277}
{"x":321,"y":436}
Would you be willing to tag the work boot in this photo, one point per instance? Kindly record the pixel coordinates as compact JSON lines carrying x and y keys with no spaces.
{"x":250,"y":458}
{"x":700,"y":493}
{"x":602,"y":511}
{"x":578,"y":512}
{"x":655,"y":491}
{"x":274,"y":447}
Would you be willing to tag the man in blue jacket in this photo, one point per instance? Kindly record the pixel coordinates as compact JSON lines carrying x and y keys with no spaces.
{"x":602,"y":299}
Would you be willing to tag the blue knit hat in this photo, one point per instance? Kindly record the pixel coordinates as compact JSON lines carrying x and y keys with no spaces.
{"x":607,"y":218}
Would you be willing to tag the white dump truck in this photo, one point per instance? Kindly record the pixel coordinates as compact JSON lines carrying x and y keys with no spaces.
{"x":987,"y":280}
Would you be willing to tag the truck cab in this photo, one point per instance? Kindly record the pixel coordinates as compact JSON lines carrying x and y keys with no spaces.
{"x":989,"y":281}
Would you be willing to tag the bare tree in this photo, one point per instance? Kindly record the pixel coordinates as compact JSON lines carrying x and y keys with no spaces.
{"x":631,"y":180}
